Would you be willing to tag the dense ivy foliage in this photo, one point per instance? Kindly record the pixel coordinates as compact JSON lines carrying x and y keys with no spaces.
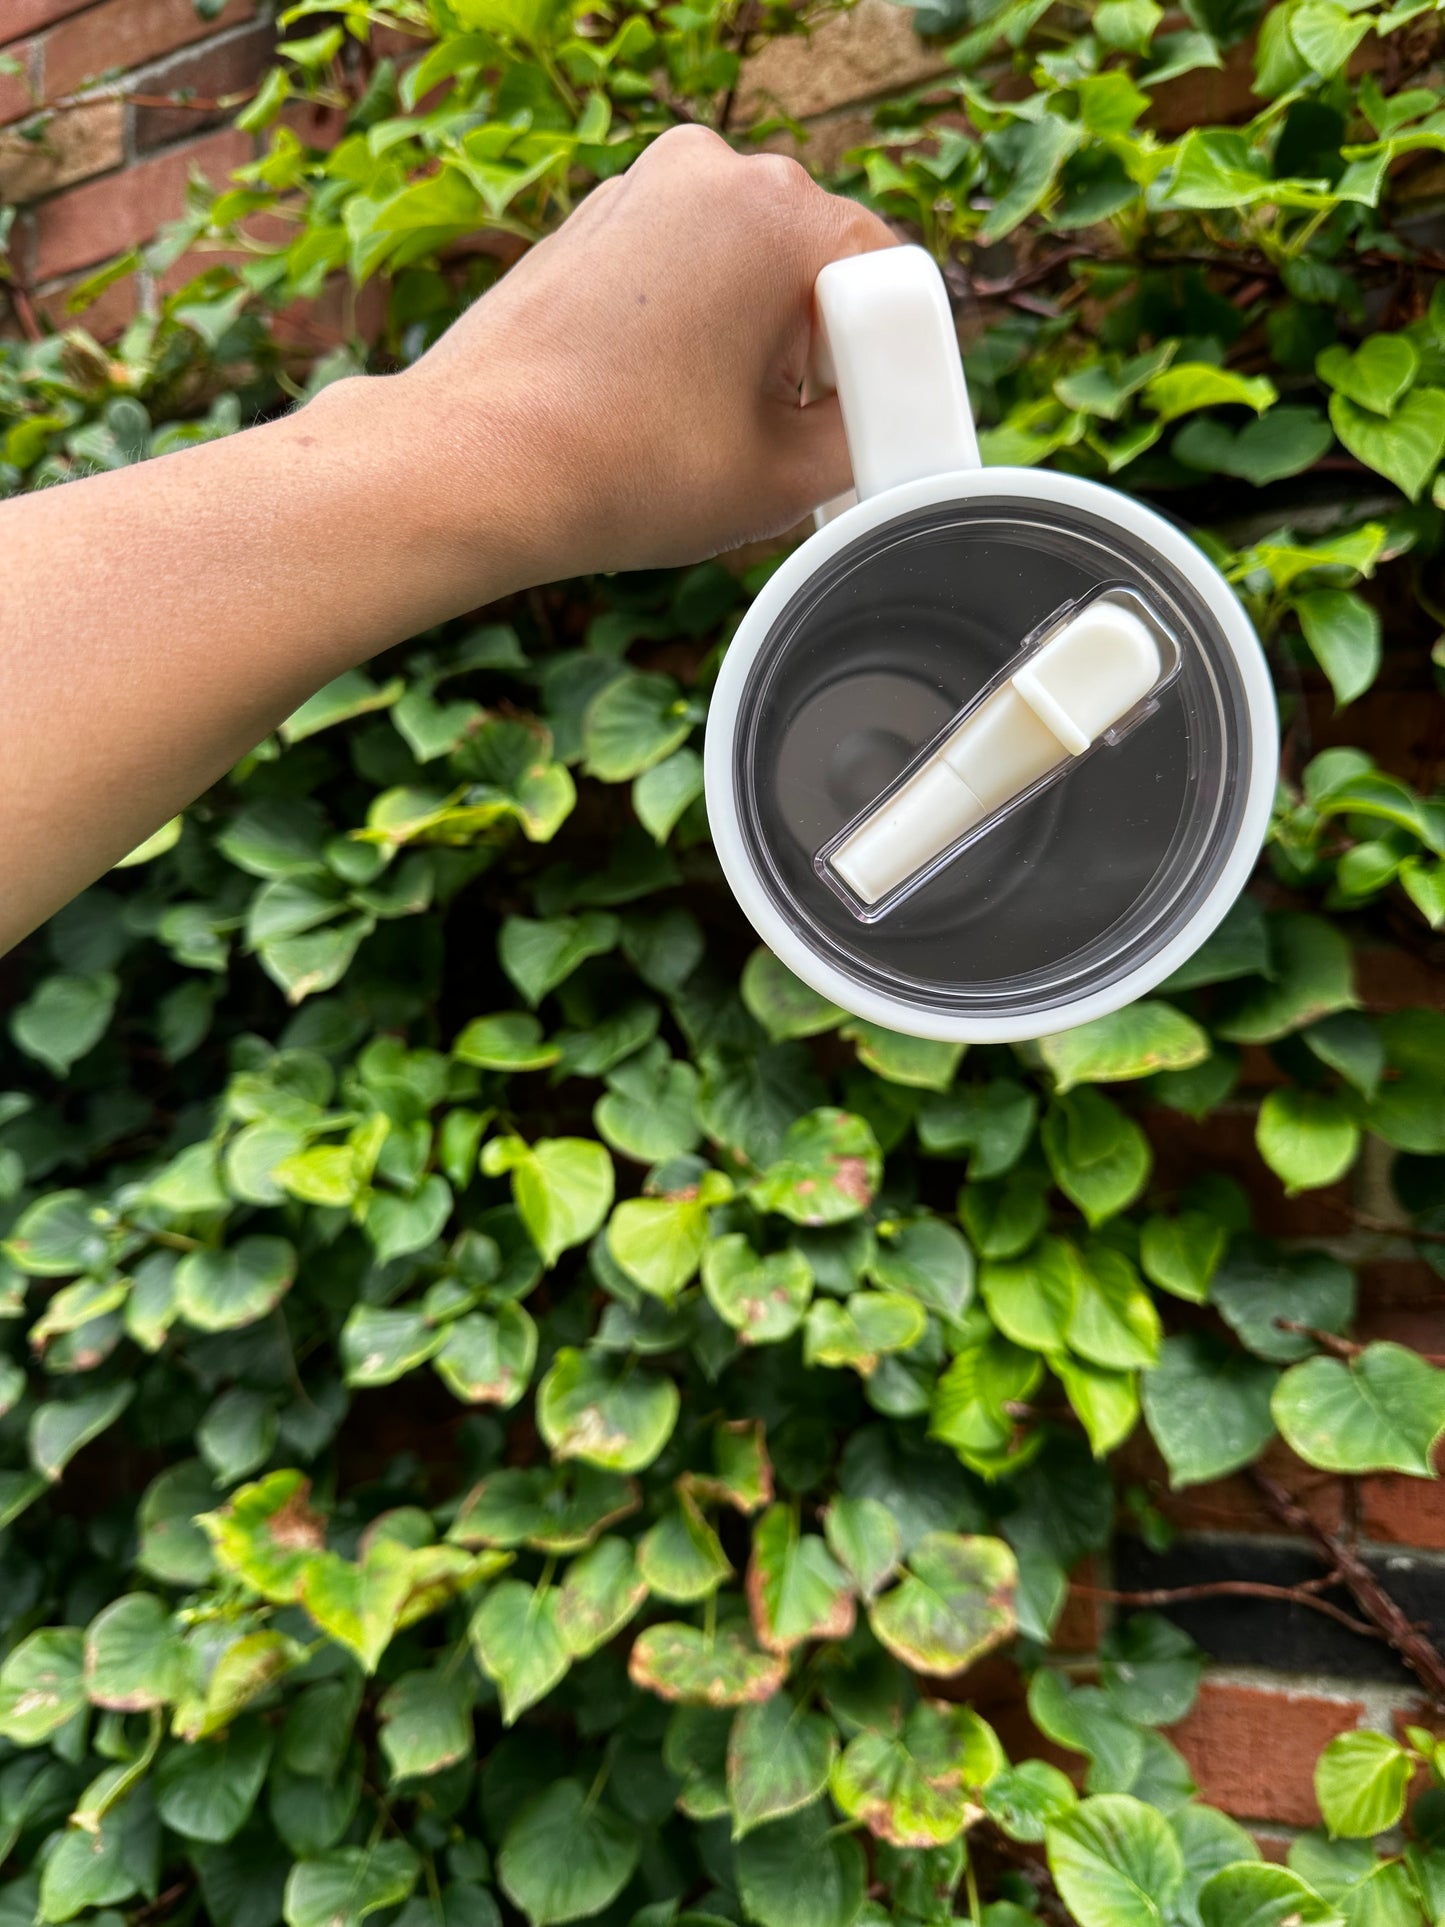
{"x":514,"y":1407}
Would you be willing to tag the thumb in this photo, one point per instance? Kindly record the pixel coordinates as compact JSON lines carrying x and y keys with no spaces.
{"x":811,"y":463}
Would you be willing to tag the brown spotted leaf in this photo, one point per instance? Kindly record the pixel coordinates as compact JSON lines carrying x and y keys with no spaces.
{"x":796,"y":1588}
{"x":919,"y":1788}
{"x":268,"y":1534}
{"x":679,"y":1662}
{"x":828,"y":1170}
{"x":953,"y":1604}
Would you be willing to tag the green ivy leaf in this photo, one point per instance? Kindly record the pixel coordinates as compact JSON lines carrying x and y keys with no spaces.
{"x":358,"y":1604}
{"x":60,"y":1427}
{"x":828,"y":1170}
{"x":1115,"y":1862}
{"x":678,"y":1662}
{"x":929,"y":1261}
{"x":207,"y":1790}
{"x":763,"y":1299}
{"x":1258,"y":1895}
{"x":134,"y":1657}
{"x":1150,"y":1669}
{"x":1405,"y":448}
{"x":1023,"y":1799}
{"x":558,"y":1510}
{"x":379,"y":1346}
{"x":1208,"y":1407}
{"x":42,"y":1685}
{"x":1181,"y":1255}
{"x":1383,"y":1411}
{"x":1361,"y":1780}
{"x":1260,"y":1294}
{"x":1344,"y":636}
{"x":782,"y":1003}
{"x":487,"y":1358}
{"x":862,"y":1330}
{"x":778,"y":1760}
{"x":1307,"y":1138}
{"x":1312,"y":976}
{"x":770,"y":1860}
{"x":993,"y":1122}
{"x":64,"y":1019}
{"x":914,"y":1061}
{"x":538,"y":956}
{"x":1113,"y":1321}
{"x":917,"y":1789}
{"x":1133,"y":1042}
{"x":634,"y":723}
{"x":796,"y":1589}
{"x":606,"y":1413}
{"x":565,"y":1857}
{"x":519,"y":1644}
{"x":509,"y":1041}
{"x":1105,"y":1401}
{"x":1201,"y":384}
{"x":340,"y":1888}
{"x":223,"y":1290}
{"x":650,"y":1110}
{"x":599,"y":1595}
{"x":662,"y":794}
{"x":863,"y":1537}
{"x":1283,"y":442}
{"x":1099,"y":1157}
{"x":681,"y":1558}
{"x":1375,"y":375}
{"x":953,"y":1604}
{"x":1032,"y":1299}
{"x":562,"y":1187}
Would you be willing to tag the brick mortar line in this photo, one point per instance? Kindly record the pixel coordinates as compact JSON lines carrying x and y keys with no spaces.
{"x":1380,"y":1702}
{"x":1387,"y":1549}
{"x":125,"y":166}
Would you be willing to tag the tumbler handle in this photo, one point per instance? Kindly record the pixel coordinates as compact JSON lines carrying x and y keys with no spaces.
{"x":884,"y":339}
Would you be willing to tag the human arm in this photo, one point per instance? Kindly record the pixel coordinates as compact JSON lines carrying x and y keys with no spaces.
{"x":626,"y":397}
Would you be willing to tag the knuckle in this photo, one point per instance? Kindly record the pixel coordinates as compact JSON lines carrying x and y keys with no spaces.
{"x":781,"y":178}
{"x":680,"y":143}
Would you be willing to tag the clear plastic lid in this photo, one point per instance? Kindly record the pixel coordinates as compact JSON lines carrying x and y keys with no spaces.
{"x":1064,"y":882}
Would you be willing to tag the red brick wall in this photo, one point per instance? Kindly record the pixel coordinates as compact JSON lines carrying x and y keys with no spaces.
{"x":126,"y":88}
{"x":117,"y":104}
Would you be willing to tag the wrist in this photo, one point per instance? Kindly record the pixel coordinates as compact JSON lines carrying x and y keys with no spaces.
{"x":437,"y":507}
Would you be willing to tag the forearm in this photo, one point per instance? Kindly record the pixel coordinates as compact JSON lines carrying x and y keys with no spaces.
{"x":149,"y":642}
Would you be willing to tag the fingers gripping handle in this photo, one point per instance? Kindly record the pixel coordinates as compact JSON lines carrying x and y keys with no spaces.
{"x":885,"y":341}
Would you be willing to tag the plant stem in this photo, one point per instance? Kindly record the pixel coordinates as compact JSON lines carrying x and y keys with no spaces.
{"x":1418,"y":1652}
{"x":1304,"y":1595}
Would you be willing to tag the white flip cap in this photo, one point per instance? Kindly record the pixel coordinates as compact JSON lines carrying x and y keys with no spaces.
{"x":1072,"y":690}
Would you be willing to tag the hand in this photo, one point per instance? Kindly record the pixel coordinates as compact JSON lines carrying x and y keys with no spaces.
{"x":634,"y":379}
{"x":627,"y":396}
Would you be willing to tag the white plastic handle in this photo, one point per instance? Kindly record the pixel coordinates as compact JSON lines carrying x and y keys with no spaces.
{"x":885,"y":340}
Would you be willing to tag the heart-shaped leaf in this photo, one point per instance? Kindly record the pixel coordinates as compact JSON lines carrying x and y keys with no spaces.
{"x":679,"y":1662}
{"x":562,"y":1187}
{"x":953,"y":1604}
{"x":828,"y":1170}
{"x":519,"y":1644}
{"x":601,"y":1592}
{"x":605,"y":1411}
{"x":1406,"y":448}
{"x":1375,"y":375}
{"x":566,"y":1856}
{"x":1383,"y":1411}
{"x":762,"y":1298}
{"x":1115,"y":1861}
{"x":778,"y":1759}
{"x":796,"y":1588}
{"x":919,"y":1789}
